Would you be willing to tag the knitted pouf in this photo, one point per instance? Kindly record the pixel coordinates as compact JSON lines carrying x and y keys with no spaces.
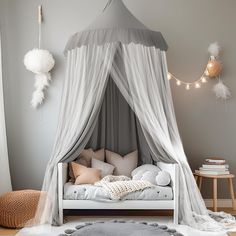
{"x":18,"y":207}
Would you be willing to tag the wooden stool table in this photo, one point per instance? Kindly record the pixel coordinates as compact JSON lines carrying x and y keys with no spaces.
{"x":215,"y":179}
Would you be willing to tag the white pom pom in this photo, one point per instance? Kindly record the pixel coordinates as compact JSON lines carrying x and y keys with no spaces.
{"x":221,"y":91}
{"x":39,"y":61}
{"x":37,"y":98}
{"x":42,"y":81}
{"x":214,"y":49}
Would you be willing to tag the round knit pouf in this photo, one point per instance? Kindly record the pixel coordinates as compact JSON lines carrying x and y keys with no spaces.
{"x":18,"y":207}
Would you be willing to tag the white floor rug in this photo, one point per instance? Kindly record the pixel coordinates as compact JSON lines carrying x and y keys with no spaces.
{"x":73,"y":221}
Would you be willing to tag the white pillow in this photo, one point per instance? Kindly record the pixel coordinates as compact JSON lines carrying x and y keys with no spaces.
{"x":163,"y":178}
{"x":106,"y":169}
{"x":150,"y":176}
{"x":144,"y":168}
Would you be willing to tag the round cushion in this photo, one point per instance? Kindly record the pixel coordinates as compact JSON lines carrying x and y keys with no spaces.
{"x":146,"y":167}
{"x":163,"y":178}
{"x":149,"y":176}
{"x":18,"y":207}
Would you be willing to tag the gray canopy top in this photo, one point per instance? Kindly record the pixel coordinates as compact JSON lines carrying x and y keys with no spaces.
{"x":116,"y":24}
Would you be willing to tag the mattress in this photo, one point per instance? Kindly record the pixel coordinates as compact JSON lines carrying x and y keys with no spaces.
{"x":96,"y":193}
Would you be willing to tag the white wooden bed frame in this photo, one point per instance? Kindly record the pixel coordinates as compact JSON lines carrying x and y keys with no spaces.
{"x":122,"y":205}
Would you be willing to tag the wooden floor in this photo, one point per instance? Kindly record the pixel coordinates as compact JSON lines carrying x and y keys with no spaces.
{"x":9,"y":232}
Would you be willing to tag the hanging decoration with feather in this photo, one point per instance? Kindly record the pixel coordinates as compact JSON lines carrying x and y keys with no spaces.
{"x":214,"y":68}
{"x":40,"y":62}
{"x":212,"y":71}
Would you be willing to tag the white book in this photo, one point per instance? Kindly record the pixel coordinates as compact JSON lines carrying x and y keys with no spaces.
{"x":213,"y":169}
{"x":212,"y":172}
{"x":215,"y":166}
{"x":215,"y":160}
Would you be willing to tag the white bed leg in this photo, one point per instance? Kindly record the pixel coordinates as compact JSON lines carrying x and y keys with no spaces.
{"x":62,"y":177}
{"x":60,"y":216}
{"x":176,"y":195}
{"x":175,"y":217}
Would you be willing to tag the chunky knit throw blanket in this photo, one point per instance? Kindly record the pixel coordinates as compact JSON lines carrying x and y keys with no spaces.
{"x":119,"y":186}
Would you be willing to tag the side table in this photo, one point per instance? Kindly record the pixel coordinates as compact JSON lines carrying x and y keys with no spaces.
{"x":215,"y":178}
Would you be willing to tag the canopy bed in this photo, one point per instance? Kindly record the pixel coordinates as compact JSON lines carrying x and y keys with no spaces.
{"x":116,"y":95}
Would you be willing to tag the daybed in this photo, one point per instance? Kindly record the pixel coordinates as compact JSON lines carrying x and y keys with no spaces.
{"x":170,"y":204}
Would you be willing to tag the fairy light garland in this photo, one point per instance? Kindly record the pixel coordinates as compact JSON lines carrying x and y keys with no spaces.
{"x":197,"y":83}
{"x":212,"y":70}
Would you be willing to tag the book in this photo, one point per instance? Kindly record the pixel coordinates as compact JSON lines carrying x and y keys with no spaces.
{"x":217,"y":166}
{"x":213,"y":163}
{"x":213,"y":169}
{"x":212,"y":172}
{"x":217,"y":160}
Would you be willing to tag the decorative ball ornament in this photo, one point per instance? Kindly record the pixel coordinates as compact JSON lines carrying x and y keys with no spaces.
{"x":39,"y":61}
{"x":214,"y":68}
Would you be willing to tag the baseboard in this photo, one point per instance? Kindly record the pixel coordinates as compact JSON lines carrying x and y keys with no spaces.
{"x":220,"y":202}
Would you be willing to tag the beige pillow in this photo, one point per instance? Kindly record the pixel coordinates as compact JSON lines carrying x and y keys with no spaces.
{"x":87,"y":154}
{"x":85,"y":175}
{"x":85,"y":158}
{"x":123,"y":165}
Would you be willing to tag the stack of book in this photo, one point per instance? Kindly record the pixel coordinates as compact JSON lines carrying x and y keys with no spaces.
{"x":214,"y":166}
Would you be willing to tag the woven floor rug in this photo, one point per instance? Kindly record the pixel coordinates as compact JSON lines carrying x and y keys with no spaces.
{"x":120,"y":228}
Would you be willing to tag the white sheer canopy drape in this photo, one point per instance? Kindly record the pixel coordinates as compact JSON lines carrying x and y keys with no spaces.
{"x":142,"y":79}
{"x":5,"y":185}
{"x":83,"y":90}
{"x":140,"y":73}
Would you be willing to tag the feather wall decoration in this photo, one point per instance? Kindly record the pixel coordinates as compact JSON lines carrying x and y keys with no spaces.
{"x":40,"y":62}
{"x":212,"y":71}
{"x":214,"y":49}
{"x":221,"y":91}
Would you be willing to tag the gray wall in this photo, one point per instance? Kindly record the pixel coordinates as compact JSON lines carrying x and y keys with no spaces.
{"x":207,"y":126}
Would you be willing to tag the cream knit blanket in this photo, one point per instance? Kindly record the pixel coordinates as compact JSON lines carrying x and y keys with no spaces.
{"x":119,"y":186}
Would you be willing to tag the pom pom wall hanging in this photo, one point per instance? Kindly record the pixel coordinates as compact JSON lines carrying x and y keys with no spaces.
{"x":40,"y":62}
{"x":212,"y":71}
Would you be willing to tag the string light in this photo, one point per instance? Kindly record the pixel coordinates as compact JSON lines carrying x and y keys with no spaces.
{"x":178,"y":82}
{"x":210,"y":64}
{"x":196,"y":83}
{"x":203,"y":80}
{"x":212,"y":70}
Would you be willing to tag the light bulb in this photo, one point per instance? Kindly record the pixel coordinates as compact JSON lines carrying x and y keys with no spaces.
{"x":210,"y":65}
{"x":187,"y":87}
{"x":169,"y":76}
{"x":203,"y":79}
{"x":197,"y":85}
{"x":178,"y":82}
{"x":207,"y":73}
